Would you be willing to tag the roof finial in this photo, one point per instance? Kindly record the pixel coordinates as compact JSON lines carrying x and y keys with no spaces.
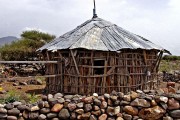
{"x":94,"y":10}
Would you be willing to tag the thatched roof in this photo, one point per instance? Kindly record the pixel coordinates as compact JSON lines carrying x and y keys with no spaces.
{"x":98,"y":34}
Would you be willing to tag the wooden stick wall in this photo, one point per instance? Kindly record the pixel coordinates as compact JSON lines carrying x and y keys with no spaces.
{"x":85,"y":72}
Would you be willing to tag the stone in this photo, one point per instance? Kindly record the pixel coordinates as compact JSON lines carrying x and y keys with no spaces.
{"x":171,"y":90}
{"x":172,"y":84}
{"x":49,"y":96}
{"x":127,"y":98}
{"x":79,"y":111}
{"x":102,"y":117}
{"x":11,"y":118}
{"x":103,"y":105}
{"x":58,"y":95}
{"x":3,"y":110}
{"x":3,"y":115}
{"x":140,"y":103}
{"x":139,"y":91}
{"x":73,"y":116}
{"x":68,"y":97}
{"x":117,"y":110}
{"x":34,"y":108}
{"x":71,"y":106}
{"x":57,"y":107}
{"x":39,"y":82}
{"x":9,"y":106}
{"x":95,"y":95}
{"x":92,"y":117}
{"x":103,"y":111}
{"x":61,"y":100}
{"x":14,"y":112}
{"x":64,"y":114}
{"x":88,"y":100}
{"x":153,"y":113}
{"x":133,"y":95}
{"x":153,"y":103}
{"x":173,"y":104}
{"x":42,"y":117}
{"x":80,"y":105}
{"x":113,"y":98}
{"x":85,"y":116}
{"x":101,"y":98}
{"x":167,"y":118}
{"x":52,"y":101}
{"x":15,"y":84}
{"x":55,"y":119}
{"x":22,"y":83}
{"x":148,"y":98}
{"x":175,"y":114}
{"x":111,"y":118}
{"x":116,"y":103}
{"x":177,"y":96}
{"x":130,"y":110}
{"x":163,"y":99}
{"x":106,"y":96}
{"x":146,"y":91}
{"x":178,"y":92}
{"x":109,"y":102}
{"x":25,"y":114}
{"x":41,"y":104}
{"x":119,"y":115}
{"x":110,"y":111}
{"x":97,"y":102}
{"x":45,"y":110}
{"x":127,"y":116}
{"x":96,"y":113}
{"x":21,"y":118}
{"x":33,"y":115}
{"x":119,"y":118}
{"x":163,"y":105}
{"x":1,"y":105}
{"x":87,"y":107}
{"x":16,"y":103}
{"x":44,"y":97}
{"x":96,"y":108}
{"x":123,"y":103}
{"x":120,"y":95}
{"x":3,"y":92}
{"x":51,"y":115}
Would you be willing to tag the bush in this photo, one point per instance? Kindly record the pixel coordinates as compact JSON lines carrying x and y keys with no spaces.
{"x":171,"y":57}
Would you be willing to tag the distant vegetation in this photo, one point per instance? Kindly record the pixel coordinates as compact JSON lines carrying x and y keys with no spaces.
{"x":170,"y":63}
{"x":171,"y":57}
{"x":25,"y":48}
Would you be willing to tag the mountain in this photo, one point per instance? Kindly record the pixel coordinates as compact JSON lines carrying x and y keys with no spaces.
{"x":7,"y":40}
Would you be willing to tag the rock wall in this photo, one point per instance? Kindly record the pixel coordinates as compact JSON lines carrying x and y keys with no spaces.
{"x":139,"y":105}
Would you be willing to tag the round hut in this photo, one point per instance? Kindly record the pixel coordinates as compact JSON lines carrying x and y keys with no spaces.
{"x":100,"y":57}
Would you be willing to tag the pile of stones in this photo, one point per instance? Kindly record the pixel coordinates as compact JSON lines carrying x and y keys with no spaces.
{"x":138,"y":105}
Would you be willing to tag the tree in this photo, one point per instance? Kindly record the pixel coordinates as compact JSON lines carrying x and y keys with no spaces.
{"x":25,"y":48}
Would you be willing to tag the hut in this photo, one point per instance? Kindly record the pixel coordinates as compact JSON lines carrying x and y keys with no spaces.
{"x":99,"y":56}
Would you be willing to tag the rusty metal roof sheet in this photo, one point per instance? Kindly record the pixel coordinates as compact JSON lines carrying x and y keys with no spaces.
{"x":98,"y":34}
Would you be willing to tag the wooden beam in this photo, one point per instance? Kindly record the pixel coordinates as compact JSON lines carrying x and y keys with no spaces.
{"x":15,"y":62}
{"x":77,"y":70}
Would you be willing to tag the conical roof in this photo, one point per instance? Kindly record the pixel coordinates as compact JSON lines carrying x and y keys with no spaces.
{"x":99,"y":34}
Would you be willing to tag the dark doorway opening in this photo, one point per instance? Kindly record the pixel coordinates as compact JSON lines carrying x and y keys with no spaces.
{"x":99,"y":67}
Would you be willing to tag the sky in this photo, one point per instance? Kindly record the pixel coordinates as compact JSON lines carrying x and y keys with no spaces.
{"x":155,"y":20}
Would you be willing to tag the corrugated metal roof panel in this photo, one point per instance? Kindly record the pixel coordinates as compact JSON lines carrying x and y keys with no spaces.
{"x":98,"y":34}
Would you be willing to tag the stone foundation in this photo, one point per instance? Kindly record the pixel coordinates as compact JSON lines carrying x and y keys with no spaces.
{"x":139,"y":105}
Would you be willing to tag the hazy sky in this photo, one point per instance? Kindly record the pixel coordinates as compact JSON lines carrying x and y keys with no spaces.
{"x":156,"y":20}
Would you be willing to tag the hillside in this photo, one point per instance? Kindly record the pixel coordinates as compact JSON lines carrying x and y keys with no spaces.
{"x":7,"y":40}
